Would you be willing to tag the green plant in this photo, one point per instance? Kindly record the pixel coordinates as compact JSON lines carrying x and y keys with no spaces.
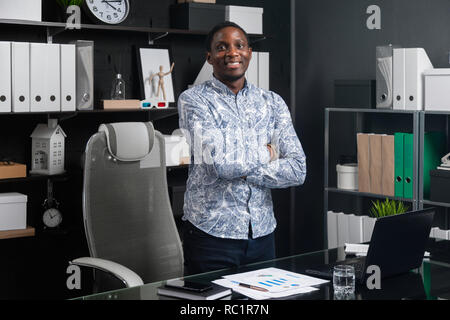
{"x":66,"y":3}
{"x":387,"y":208}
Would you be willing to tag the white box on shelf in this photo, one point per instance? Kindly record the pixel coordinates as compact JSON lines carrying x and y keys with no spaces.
{"x":21,"y":10}
{"x":347,"y":176}
{"x":13,"y":211}
{"x":437,"y":95}
{"x":249,"y":18}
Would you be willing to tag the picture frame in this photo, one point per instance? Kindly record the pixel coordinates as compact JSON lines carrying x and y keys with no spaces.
{"x":149,"y":61}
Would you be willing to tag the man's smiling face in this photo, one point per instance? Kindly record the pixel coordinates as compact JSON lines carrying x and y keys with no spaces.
{"x":230,"y":54}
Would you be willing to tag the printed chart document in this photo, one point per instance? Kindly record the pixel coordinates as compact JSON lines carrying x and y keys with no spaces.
{"x":270,"y":283}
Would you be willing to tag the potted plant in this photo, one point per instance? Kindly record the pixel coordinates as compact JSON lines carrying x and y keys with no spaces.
{"x":64,"y":4}
{"x":387,"y":208}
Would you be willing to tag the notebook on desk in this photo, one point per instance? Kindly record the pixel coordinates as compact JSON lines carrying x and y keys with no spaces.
{"x":397,"y":246}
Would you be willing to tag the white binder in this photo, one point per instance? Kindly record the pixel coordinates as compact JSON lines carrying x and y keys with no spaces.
{"x":45,"y":83}
{"x":252,"y":72}
{"x":398,"y":78}
{"x":68,"y":77}
{"x":332,"y":229}
{"x":5,"y":76}
{"x":368,"y":225}
{"x":355,"y":228}
{"x":343,"y":232}
{"x":20,"y":59}
{"x":416,"y":62}
{"x":263,"y":70}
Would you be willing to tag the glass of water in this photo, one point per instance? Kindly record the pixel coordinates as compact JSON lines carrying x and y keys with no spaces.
{"x":344,"y":282}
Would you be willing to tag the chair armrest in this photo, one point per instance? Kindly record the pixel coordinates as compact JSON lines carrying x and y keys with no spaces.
{"x":127,"y":276}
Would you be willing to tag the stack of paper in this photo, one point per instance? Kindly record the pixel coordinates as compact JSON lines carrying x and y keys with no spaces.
{"x":270,"y":283}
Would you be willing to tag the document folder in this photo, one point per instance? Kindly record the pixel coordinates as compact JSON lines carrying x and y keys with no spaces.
{"x":399,"y":170}
{"x":416,"y":62}
{"x":388,"y":164}
{"x":252,"y":71}
{"x":363,"y":162}
{"x":68,"y":77}
{"x":408,"y":164}
{"x":5,"y":76}
{"x":45,"y":77}
{"x":375,"y":161}
{"x":409,"y":64}
{"x":355,"y":228}
{"x":398,"y":78}
{"x":332,"y":229}
{"x":264,"y":70}
{"x":20,"y":76}
{"x":384,"y":62}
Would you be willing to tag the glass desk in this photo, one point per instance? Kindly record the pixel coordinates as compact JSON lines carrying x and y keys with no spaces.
{"x":429,"y":282}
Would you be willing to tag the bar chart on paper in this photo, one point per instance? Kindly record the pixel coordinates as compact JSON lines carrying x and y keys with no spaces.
{"x":275,"y":280}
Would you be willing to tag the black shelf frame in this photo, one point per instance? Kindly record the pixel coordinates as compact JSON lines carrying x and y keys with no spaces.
{"x":54,"y":28}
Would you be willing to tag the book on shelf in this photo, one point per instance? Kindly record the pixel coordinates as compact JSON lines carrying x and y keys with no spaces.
{"x":216,"y":292}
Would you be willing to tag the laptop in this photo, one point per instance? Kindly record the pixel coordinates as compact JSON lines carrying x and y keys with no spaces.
{"x":397,"y":246}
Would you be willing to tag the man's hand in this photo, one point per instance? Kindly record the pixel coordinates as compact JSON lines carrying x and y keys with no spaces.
{"x":273,"y":153}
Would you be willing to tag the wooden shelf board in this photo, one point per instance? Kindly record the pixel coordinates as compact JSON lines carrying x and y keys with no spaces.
{"x":10,"y":234}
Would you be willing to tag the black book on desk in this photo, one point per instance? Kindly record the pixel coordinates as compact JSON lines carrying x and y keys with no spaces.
{"x":216,"y":292}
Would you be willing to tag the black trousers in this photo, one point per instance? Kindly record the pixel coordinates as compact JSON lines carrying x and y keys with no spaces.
{"x":203,"y":252}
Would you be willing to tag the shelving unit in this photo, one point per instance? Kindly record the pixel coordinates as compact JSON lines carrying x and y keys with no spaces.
{"x":359,"y":116}
{"x":54,"y":28}
{"x":11,"y":234}
{"x":443,"y":126}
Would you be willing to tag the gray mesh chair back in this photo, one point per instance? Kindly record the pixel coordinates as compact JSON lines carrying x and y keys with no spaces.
{"x":127,"y":213}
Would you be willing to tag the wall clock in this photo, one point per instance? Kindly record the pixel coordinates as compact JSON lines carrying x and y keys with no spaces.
{"x":107,"y":11}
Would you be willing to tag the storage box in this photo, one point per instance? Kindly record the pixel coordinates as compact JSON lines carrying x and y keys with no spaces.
{"x":196,"y":16}
{"x":347,"y":176}
{"x":355,"y":94}
{"x":13,"y":170}
{"x":21,"y":10}
{"x":437,"y":93}
{"x":440,"y":185}
{"x":13,"y":211}
{"x":249,"y":18}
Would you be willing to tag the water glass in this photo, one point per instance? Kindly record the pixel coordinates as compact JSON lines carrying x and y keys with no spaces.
{"x":344,"y":282}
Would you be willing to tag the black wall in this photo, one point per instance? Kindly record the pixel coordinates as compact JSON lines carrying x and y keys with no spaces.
{"x":333,"y":42}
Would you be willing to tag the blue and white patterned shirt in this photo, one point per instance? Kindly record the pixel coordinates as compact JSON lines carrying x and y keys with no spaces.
{"x":230,"y":175}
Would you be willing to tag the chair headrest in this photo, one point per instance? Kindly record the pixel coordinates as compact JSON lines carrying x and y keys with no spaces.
{"x":129,"y":141}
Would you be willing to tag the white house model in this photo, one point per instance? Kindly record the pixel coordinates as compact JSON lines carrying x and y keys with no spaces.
{"x":47,"y":151}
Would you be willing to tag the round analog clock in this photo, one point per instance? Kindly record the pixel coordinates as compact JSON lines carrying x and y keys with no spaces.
{"x":108,"y":11}
{"x":52,"y":218}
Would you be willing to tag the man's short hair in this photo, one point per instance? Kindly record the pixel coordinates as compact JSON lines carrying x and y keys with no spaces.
{"x":217,"y":28}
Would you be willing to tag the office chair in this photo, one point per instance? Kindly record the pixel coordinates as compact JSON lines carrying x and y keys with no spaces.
{"x":128,"y":220}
